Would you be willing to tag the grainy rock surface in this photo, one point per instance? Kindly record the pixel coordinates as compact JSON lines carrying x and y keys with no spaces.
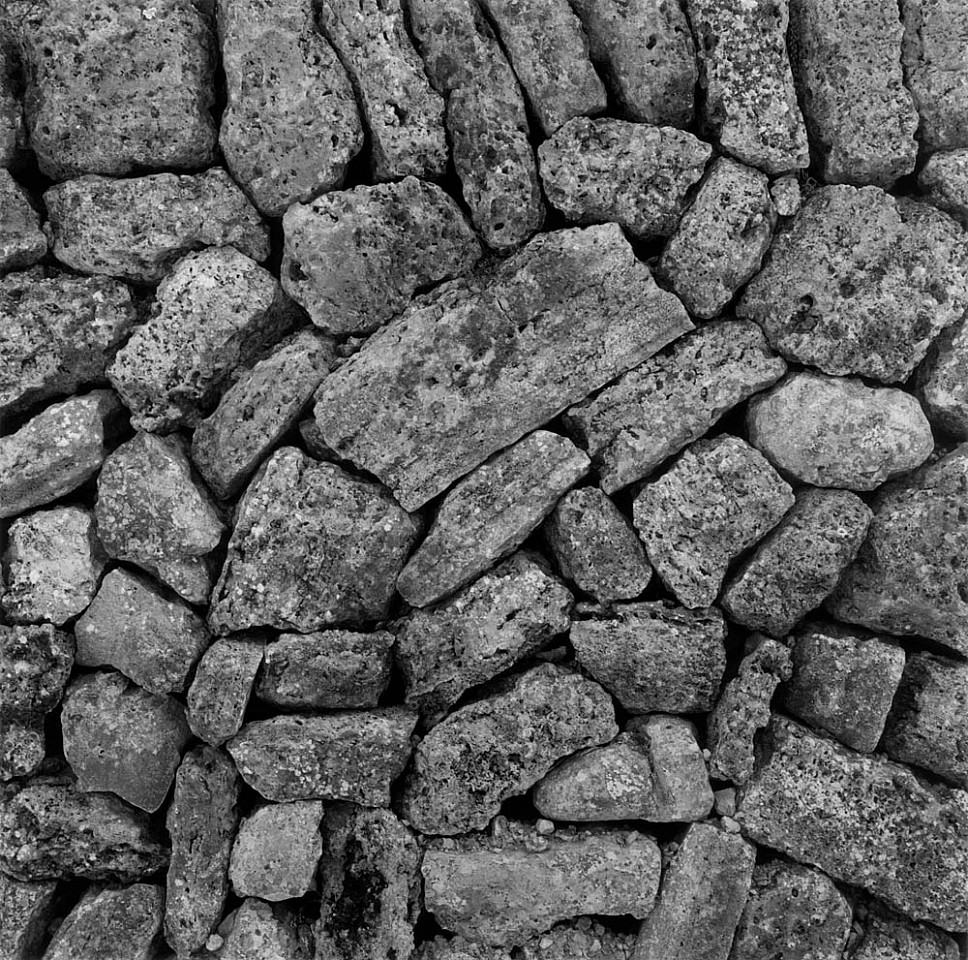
{"x":942,"y":381}
{"x":26,"y":909}
{"x":583,"y":939}
{"x":22,"y":242}
{"x":222,"y":686}
{"x":944,"y":180}
{"x":12,"y":132}
{"x":258,"y":929}
{"x":888,"y":936}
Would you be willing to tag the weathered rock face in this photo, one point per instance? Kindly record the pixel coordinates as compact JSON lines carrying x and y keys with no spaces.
{"x":583,"y":939}
{"x":501,"y":354}
{"x":786,"y":196}
{"x":944,"y":181}
{"x":22,"y":242}
{"x":942,"y":384}
{"x":221,"y":689}
{"x":26,"y":909}
{"x":13,"y":135}
{"x":258,"y":929}
{"x":888,"y":936}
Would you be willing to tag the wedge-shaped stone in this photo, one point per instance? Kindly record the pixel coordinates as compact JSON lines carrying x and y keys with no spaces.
{"x":22,"y":242}
{"x":26,"y":911}
{"x":942,"y":381}
{"x":888,"y":936}
{"x":501,"y":353}
{"x":223,"y":684}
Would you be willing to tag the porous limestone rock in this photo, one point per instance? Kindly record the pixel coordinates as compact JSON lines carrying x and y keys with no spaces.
{"x":222,"y":686}
{"x":22,"y":242}
{"x":942,"y":381}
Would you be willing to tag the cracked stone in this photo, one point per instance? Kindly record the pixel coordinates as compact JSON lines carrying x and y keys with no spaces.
{"x":22,"y":242}
{"x":223,"y":684}
{"x":942,"y":381}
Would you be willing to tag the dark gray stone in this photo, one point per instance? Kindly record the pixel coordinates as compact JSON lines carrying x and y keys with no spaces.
{"x":222,"y":686}
{"x":942,"y":382}
{"x":943,"y":181}
{"x":888,"y":936}
{"x":22,"y":242}
{"x":26,"y":911}
{"x":257,"y":930}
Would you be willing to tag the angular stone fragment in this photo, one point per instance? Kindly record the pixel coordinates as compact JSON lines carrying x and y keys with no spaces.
{"x":797,"y":565}
{"x":404,"y":115}
{"x":349,"y":755}
{"x":291,"y":124}
{"x":326,"y":670}
{"x":721,"y":239}
{"x":908,"y":577}
{"x":581,"y":939}
{"x":598,"y":171}
{"x":56,"y":451}
{"x":353,"y":258}
{"x":221,"y":689}
{"x":13,"y":136}
{"x":888,"y":936}
{"x":942,"y":381}
{"x":23,"y":746}
{"x":498,"y":747}
{"x":313,"y":545}
{"x":843,"y":682}
{"x":503,"y":896}
{"x":457,"y":948}
{"x":657,"y":408}
{"x":490,"y":513}
{"x":944,"y":182}
{"x":22,"y":242}
{"x":717,"y":500}
{"x":137,"y":228}
{"x":653,"y":656}
{"x":501,"y":353}
{"x":26,"y":911}
{"x":860,"y":283}
{"x":259,"y":930}
{"x":202,"y":820}
{"x":785,"y":194}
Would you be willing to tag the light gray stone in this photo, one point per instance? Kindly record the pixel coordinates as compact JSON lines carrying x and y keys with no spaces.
{"x":888,"y":936}
{"x":22,"y":242}
{"x":942,"y":381}
{"x":222,"y":686}
{"x":258,"y":930}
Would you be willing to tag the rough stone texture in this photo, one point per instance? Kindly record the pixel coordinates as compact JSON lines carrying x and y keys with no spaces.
{"x":221,"y":689}
{"x":403,"y":114}
{"x":890,"y":937}
{"x":883,"y":830}
{"x":581,"y":939}
{"x":797,"y":565}
{"x":794,"y":913}
{"x":504,"y":894}
{"x":657,"y":408}
{"x":704,"y":890}
{"x":23,"y":746}
{"x":721,"y":239}
{"x":137,"y":228}
{"x":457,"y":948}
{"x":202,"y":821}
{"x":907,"y":577}
{"x":277,"y":850}
{"x":749,"y":104}
{"x":312,"y":546}
{"x":498,"y":747}
{"x":599,"y":171}
{"x":928,"y":723}
{"x":370,"y":886}
{"x":291,"y":124}
{"x":56,"y":451}
{"x":326,"y":670}
{"x":26,"y":909}
{"x":718,"y":499}
{"x":259,"y":409}
{"x":785,"y":194}
{"x":942,"y":381}
{"x":653,"y":656}
{"x":743,"y":709}
{"x":90,"y":110}
{"x":53,"y":562}
{"x":502,"y":353}
{"x":350,"y":755}
{"x":13,"y":135}
{"x":215,"y":311}
{"x":943,"y":181}
{"x":22,"y":242}
{"x":259,"y":930}
{"x":354,"y":258}
{"x":489,"y":514}
{"x":843,"y":682}
{"x":653,"y":771}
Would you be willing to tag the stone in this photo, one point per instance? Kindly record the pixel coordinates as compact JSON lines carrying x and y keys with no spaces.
{"x":312,"y":546}
{"x":860,"y":283}
{"x":749,"y":104}
{"x":134,"y":627}
{"x":26,"y":911}
{"x":503,"y":896}
{"x":329,"y":670}
{"x":499,"y":747}
{"x":354,"y":258}
{"x":53,"y":561}
{"x":793,"y":912}
{"x":595,"y":546}
{"x":258,"y":930}
{"x":202,"y":820}
{"x":369,"y":886}
{"x":13,"y":135}
{"x":277,"y":850}
{"x":743,"y":709}
{"x":581,"y":939}
{"x":843,"y":682}
{"x":717,"y":500}
{"x":89,"y":111}
{"x":941,"y":383}
{"x":943,"y":181}
{"x":457,"y":948}
{"x":846,"y":61}
{"x":312,"y":439}
{"x":258,"y":409}
{"x":109,"y":924}
{"x":798,"y":564}
{"x":785,"y":194}
{"x":838,"y":432}
{"x":290,"y":125}
{"x":23,"y":746}
{"x":121,"y":739}
{"x":215,"y":311}
{"x":653,"y":771}
{"x":404,"y":115}
{"x":907,"y":578}
{"x":51,"y":830}
{"x":136,"y":228}
{"x":22,"y":242}
{"x":223,"y":684}
{"x":654,"y":656}
{"x":890,"y":937}
{"x":721,"y":238}
{"x":928,"y":722}
{"x":639,"y":176}
{"x":502,"y":353}
{"x":490,"y":513}
{"x":56,"y":451}
{"x":680,"y":394}
{"x":347,"y":755}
